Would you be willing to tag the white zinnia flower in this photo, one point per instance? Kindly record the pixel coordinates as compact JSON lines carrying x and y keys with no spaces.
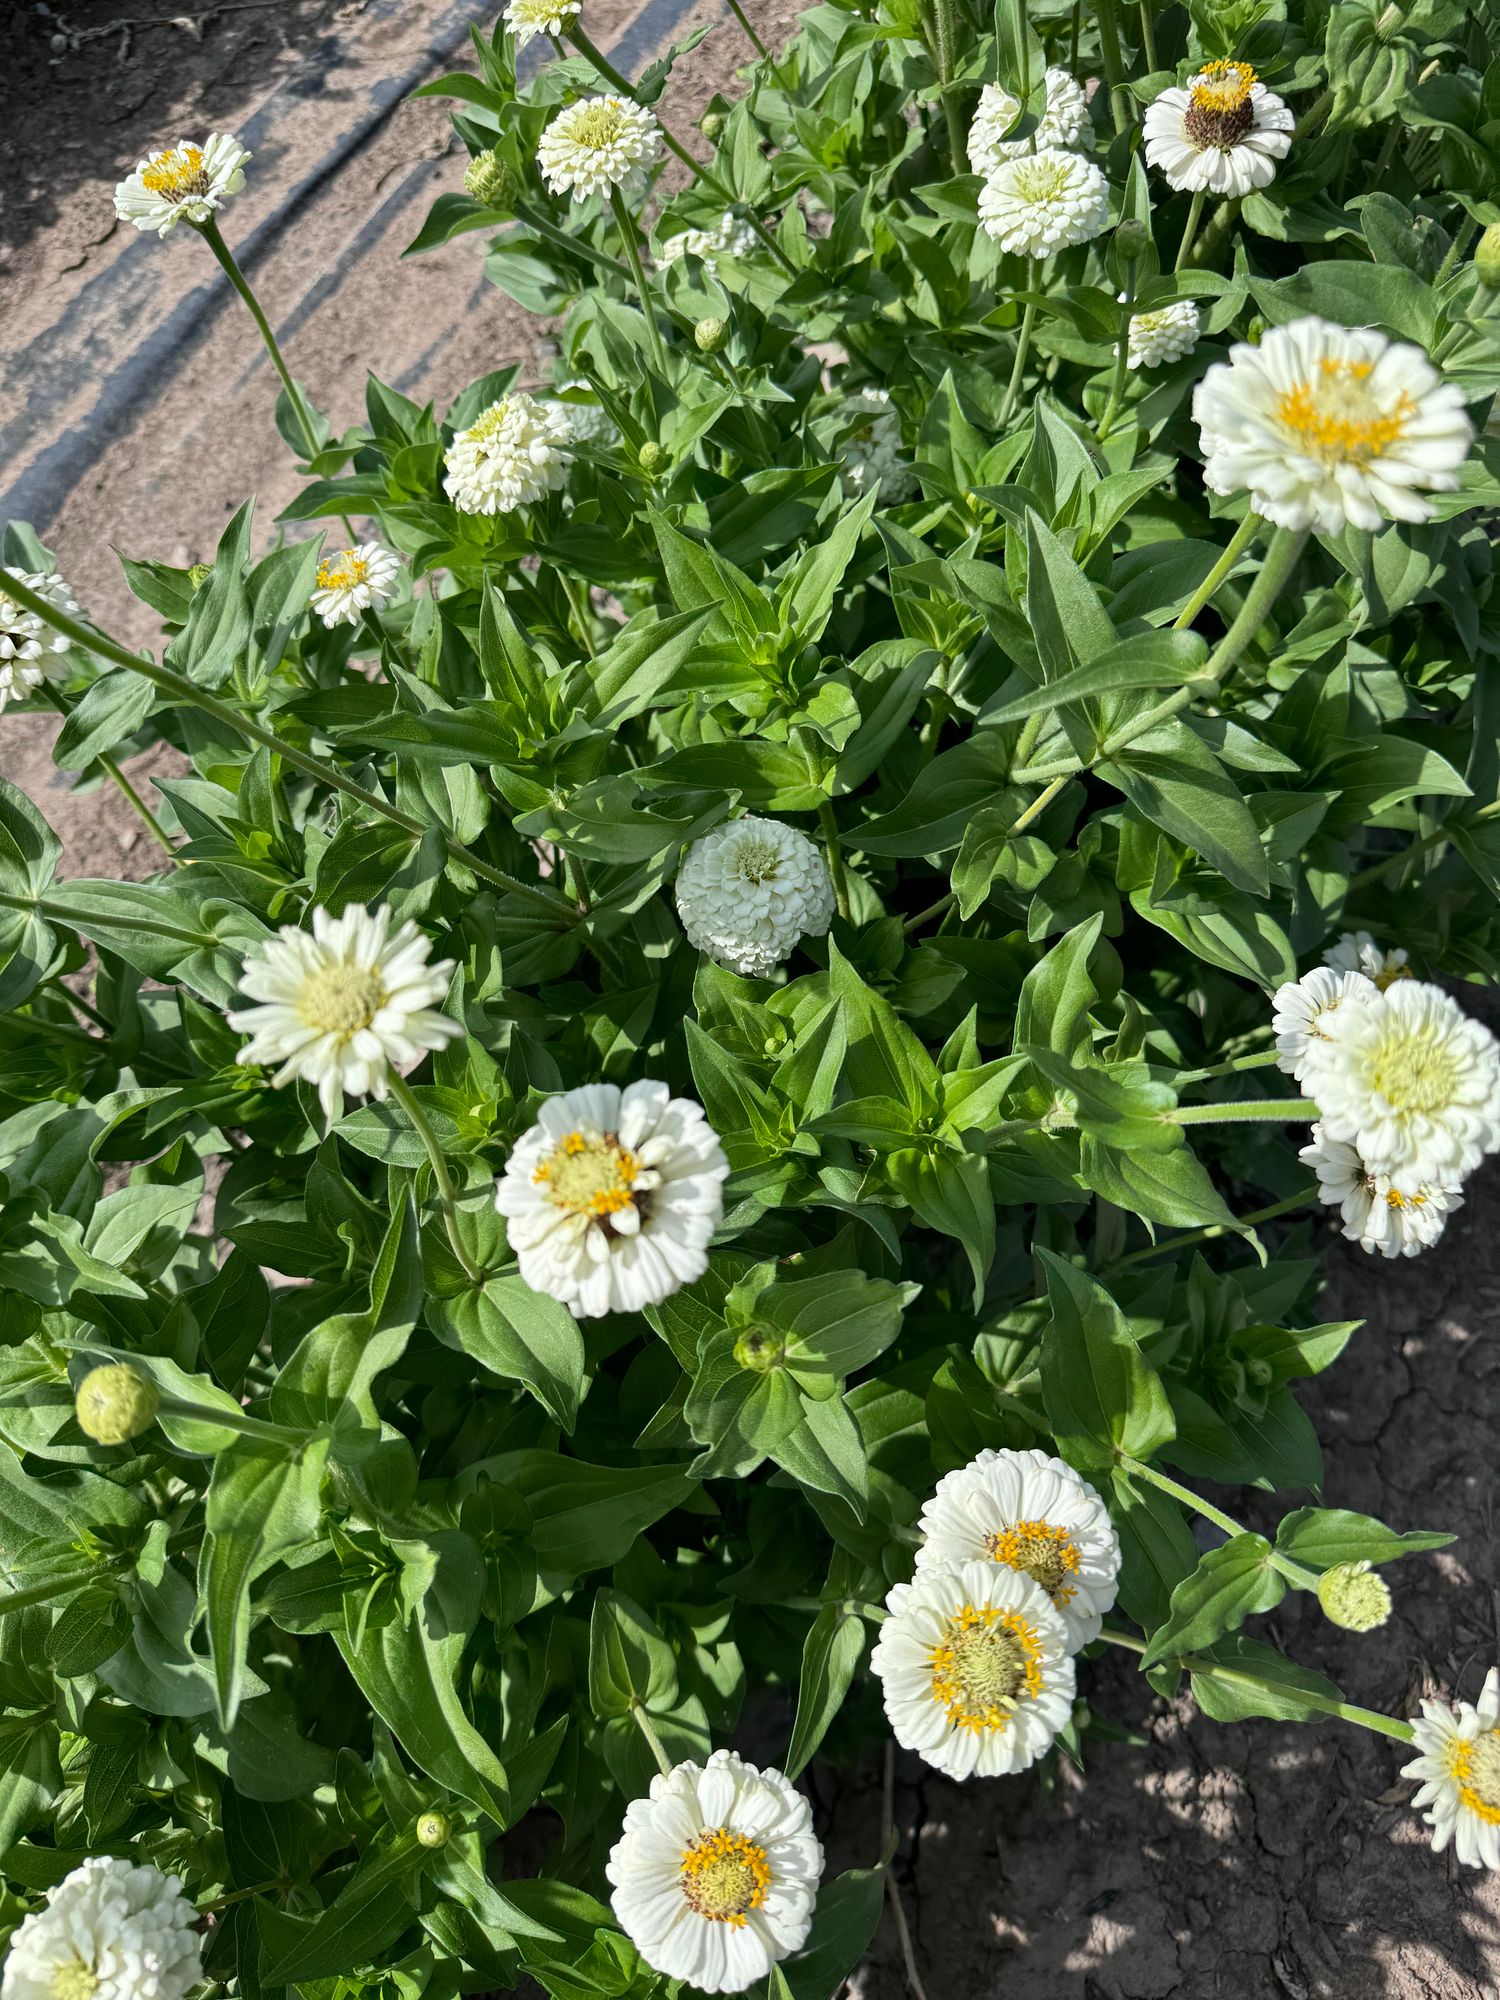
{"x":870,"y":455}
{"x":747,"y":891}
{"x":1222,"y":134}
{"x":588,"y":422}
{"x":1327,"y":426}
{"x":1357,"y":951}
{"x":1302,"y":1008}
{"x":731,"y":236}
{"x":527,"y":19}
{"x":184,"y":183}
{"x":599,"y":144}
{"x":975,"y":1667}
{"x":1165,"y":335}
{"x":1458,"y":1763}
{"x":1376,"y":1215}
{"x":1043,"y":202}
{"x":1065,"y":122}
{"x":1033,"y":1514}
{"x":716,"y":1872}
{"x":1412,"y":1082}
{"x":29,"y":648}
{"x":514,"y":453}
{"x":343,"y":1004}
{"x":611,"y":1198}
{"x":109,"y":1931}
{"x":354,"y":580}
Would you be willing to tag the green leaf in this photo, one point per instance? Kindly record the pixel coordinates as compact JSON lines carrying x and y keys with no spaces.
{"x":1323,"y":1537}
{"x":630,"y":1664}
{"x":1229,"y":1584}
{"x":1239,"y":1678}
{"x":585,"y":1516}
{"x":1102,"y":1394}
{"x":370,"y":1911}
{"x":844,"y":1921}
{"x":519,"y":1335}
{"x":831,"y":1653}
{"x":1146,"y":660}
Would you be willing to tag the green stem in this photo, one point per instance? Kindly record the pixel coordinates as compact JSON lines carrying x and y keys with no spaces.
{"x":1294,"y":1572}
{"x":754,"y":39}
{"x":1238,"y":543}
{"x":577,"y":246}
{"x":402,"y":1091}
{"x":654,"y":1743}
{"x":939,"y":37}
{"x":1114,"y":63}
{"x":836,"y":871}
{"x":240,"y":1896}
{"x":1366,"y":1718}
{"x":625,"y":222}
{"x":59,"y":1586}
{"x":1122,"y":360}
{"x":1075,"y":35}
{"x":1039,"y":804}
{"x":1260,"y":1059}
{"x":1254,"y":1110}
{"x":236,"y":1420}
{"x":1190,"y":228}
{"x":1312,"y":117}
{"x":944,"y":902}
{"x":1219,"y":225}
{"x":578,"y":605}
{"x":1427,"y":840}
{"x":127,"y":790}
{"x":1148,"y":37}
{"x":1023,"y":344}
{"x":1212,"y":1230}
{"x":212,"y":236}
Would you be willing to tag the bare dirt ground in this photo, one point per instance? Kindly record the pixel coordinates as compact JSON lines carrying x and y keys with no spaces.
{"x":1241,"y":1862}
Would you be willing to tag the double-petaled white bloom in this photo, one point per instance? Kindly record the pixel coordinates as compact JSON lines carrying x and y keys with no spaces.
{"x":975,"y":1668}
{"x":527,"y":19}
{"x":1458,"y":1766}
{"x":612,"y":1197}
{"x":343,"y":1004}
{"x":514,"y":453}
{"x":363,"y":578}
{"x":1165,"y":335}
{"x":1033,"y":1514}
{"x":870,"y":454}
{"x":1330,"y":426}
{"x":1357,"y":951}
{"x":1065,"y":122}
{"x":183,"y":183}
{"x":716,"y":1872}
{"x":1302,"y":1009}
{"x":731,"y":236}
{"x":1411,"y":1082}
{"x":1376,"y":1215}
{"x":1043,"y":202}
{"x":599,"y":144}
{"x":747,"y":891}
{"x":1221,"y":134}
{"x":108,"y":1931}
{"x":588,"y":422}
{"x":30,"y":651}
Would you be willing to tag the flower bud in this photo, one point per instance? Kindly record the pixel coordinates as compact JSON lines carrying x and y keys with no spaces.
{"x":1255,"y":332}
{"x":1354,"y":1596}
{"x":1487,"y":258}
{"x":710,"y":335}
{"x":199,"y":574}
{"x":1131,"y":239}
{"x":434,"y":1829}
{"x":491,"y":180}
{"x":115,"y":1403}
{"x":652,"y":458}
{"x":711,"y":124}
{"x":759,"y":1350}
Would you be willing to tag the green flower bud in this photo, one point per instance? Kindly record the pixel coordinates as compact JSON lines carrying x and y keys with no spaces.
{"x":710,"y":335}
{"x":1352,"y":1595}
{"x":434,"y":1829}
{"x":491,"y":180}
{"x":1131,"y":239}
{"x":1487,"y":258}
{"x":759,"y":1350}
{"x":711,"y":124}
{"x":115,"y":1403}
{"x":652,"y":458}
{"x":199,"y":574}
{"x":1255,"y":332}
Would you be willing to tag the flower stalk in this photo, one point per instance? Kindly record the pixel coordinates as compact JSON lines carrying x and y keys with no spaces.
{"x":213,"y":236}
{"x":404,"y":1095}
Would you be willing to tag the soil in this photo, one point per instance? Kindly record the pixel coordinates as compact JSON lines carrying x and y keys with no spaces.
{"x":135,"y":412}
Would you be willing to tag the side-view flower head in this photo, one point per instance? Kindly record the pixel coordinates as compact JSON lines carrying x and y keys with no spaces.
{"x":1164,"y":335}
{"x":108,"y":1931}
{"x":1064,"y":122}
{"x":182,"y":183}
{"x":1302,"y":1009}
{"x":1458,"y":1769}
{"x":527,"y":19}
{"x":513,"y":454}
{"x":1376,"y":1214}
{"x":1357,"y":951}
{"x":30,"y":650}
{"x":1220,"y":134}
{"x":354,"y":580}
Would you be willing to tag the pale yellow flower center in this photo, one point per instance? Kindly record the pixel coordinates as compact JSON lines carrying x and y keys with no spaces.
{"x":1219,"y":111}
{"x":1389,"y":974}
{"x":1041,"y":180}
{"x":490,"y":424}
{"x":596,"y":127}
{"x":589,"y":1176}
{"x":757,"y":861}
{"x":1414,"y":1073}
{"x":1475,"y":1762}
{"x":1041,"y":1551}
{"x":1334,"y":416}
{"x":724,"y":1875}
{"x":74,"y":1980}
{"x":986,"y":1660}
{"x":341,"y":999}
{"x":343,"y":571}
{"x":175,"y":174}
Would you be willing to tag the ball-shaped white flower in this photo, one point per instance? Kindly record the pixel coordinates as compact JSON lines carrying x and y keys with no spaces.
{"x":1357,"y":951}
{"x":599,"y":144}
{"x":1458,"y":1766}
{"x":527,"y":19}
{"x":355,"y":580}
{"x":975,"y":1668}
{"x":1155,"y":338}
{"x":30,"y":650}
{"x":716,"y":1872}
{"x":1222,"y":134}
{"x":1035,"y":1515}
{"x":1043,"y":202}
{"x":747,"y":891}
{"x":1375,"y":1215}
{"x":513,"y":454}
{"x":588,"y":422}
{"x":1302,"y":1008}
{"x":342,"y":1005}
{"x":183,"y":183}
{"x":731,"y":236}
{"x":1064,"y":122}
{"x":612,"y":1197}
{"x":108,"y":1931}
{"x":1328,"y":427}
{"x":870,"y":454}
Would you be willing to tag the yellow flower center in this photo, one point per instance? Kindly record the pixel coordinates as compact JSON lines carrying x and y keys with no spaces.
{"x":986,"y":1660}
{"x":74,"y":1980}
{"x":1040,"y":180}
{"x":175,"y":174}
{"x":589,"y":1176}
{"x":1413,"y":1073}
{"x":1042,"y":1552}
{"x":1220,"y":111}
{"x":490,"y":423}
{"x":343,"y":571}
{"x":1386,"y":978}
{"x":1336,"y":418}
{"x":1397,"y":1200}
{"x":596,"y":127}
{"x":1475,"y":1762}
{"x":757,"y":861}
{"x":341,"y":999}
{"x":724,"y":1875}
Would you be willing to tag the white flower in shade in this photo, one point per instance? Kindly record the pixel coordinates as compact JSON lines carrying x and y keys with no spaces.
{"x":1302,"y":1008}
{"x":1377,"y":1216}
{"x":1458,"y":1765}
{"x":588,"y":422}
{"x":527,"y":19}
{"x":1357,"y":951}
{"x":343,"y":1004}
{"x":599,"y":144}
{"x":1165,"y":335}
{"x":184,"y":183}
{"x":1065,"y":122}
{"x":731,"y":236}
{"x":1043,"y":202}
{"x":108,"y":1931}
{"x":716,"y":1872}
{"x":1411,"y":1082}
{"x":975,"y":1668}
{"x":1033,"y":1514}
{"x":612,"y":1197}
{"x":30,"y":651}
{"x":514,"y":453}
{"x":1222,"y":134}
{"x":360,"y":579}
{"x":870,"y":454}
{"x":1330,"y":426}
{"x":747,"y":891}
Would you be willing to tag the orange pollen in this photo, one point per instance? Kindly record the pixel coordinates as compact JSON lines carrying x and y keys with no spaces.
{"x":1475,"y":1762}
{"x":1039,"y":1550}
{"x":724,"y":1875}
{"x":987,"y":1661}
{"x":343,"y":571}
{"x":1396,"y":1199}
{"x":589,"y":1176}
{"x":1337,"y":419}
{"x":176,"y":173}
{"x":1223,"y":86}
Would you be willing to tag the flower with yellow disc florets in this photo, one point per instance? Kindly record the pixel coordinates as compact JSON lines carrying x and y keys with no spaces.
{"x":182,"y":183}
{"x":108,"y":1931}
{"x":1458,"y":1767}
{"x":1220,"y":134}
{"x":598,"y":145}
{"x":355,"y":580}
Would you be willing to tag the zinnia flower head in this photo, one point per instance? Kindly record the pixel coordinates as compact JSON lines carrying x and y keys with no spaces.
{"x":747,"y":891}
{"x":588,"y":421}
{"x":1065,"y":122}
{"x":1357,"y":951}
{"x":1375,"y":1214}
{"x":731,"y":236}
{"x":108,"y":1931}
{"x":527,"y":19}
{"x":1043,"y":202}
{"x":1222,"y":134}
{"x":1458,"y":1766}
{"x":1330,"y":426}
{"x":612,"y":1197}
{"x":716,"y":1872}
{"x":1354,"y":1596}
{"x":353,"y":580}
{"x":183,"y":183}
{"x":1302,"y":1008}
{"x":514,"y":453}
{"x":599,"y":144}
{"x":342,"y":1005}
{"x":30,"y":649}
{"x":1155,"y":338}
{"x":870,"y":454}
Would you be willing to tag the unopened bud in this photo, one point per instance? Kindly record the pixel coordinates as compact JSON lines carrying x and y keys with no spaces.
{"x":115,"y":1403}
{"x":1354,"y":1596}
{"x":1487,"y":258}
{"x":711,"y":125}
{"x":434,"y":1829}
{"x":759,"y":1350}
{"x":651,"y":458}
{"x":491,"y":180}
{"x":1131,"y":239}
{"x":199,"y":574}
{"x":710,"y":335}
{"x":1255,"y":332}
